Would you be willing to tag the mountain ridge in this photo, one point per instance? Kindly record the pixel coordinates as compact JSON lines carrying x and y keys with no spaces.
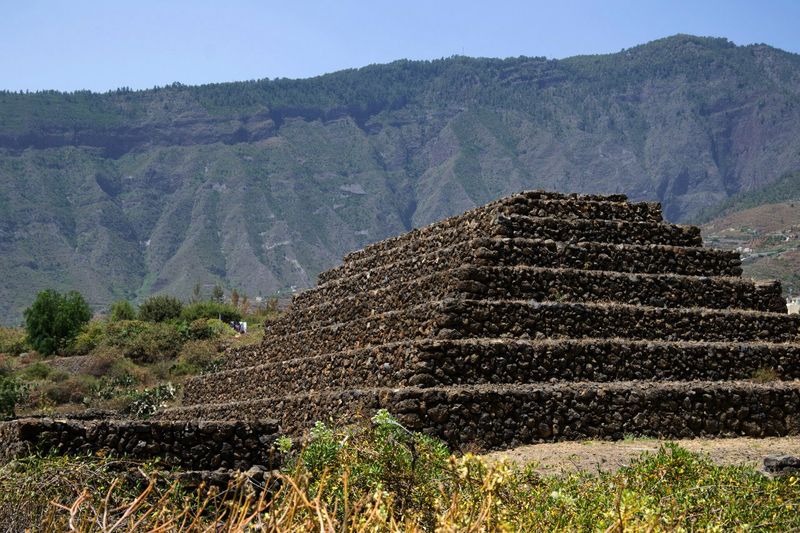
{"x":263,"y":184}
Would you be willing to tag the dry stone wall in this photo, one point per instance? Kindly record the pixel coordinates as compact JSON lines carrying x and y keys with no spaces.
{"x":542,"y":284}
{"x":430,"y":363}
{"x":188,"y":445}
{"x":540,"y":316}
{"x":482,"y":417}
{"x":537,"y":317}
{"x":464,"y":318}
{"x":537,"y":203}
{"x":382,"y":269}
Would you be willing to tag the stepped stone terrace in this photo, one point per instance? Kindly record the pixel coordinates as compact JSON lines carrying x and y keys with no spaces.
{"x":537,"y":317}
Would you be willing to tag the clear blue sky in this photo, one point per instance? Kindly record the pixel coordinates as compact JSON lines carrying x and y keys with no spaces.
{"x":102,"y":45}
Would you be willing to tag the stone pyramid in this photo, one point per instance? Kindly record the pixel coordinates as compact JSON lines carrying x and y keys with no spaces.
{"x":540,"y":316}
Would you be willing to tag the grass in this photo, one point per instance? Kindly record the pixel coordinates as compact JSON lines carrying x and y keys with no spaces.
{"x":384,"y":478}
{"x":765,"y":375}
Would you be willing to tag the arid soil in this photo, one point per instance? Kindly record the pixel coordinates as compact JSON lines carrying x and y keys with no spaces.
{"x":593,"y":456}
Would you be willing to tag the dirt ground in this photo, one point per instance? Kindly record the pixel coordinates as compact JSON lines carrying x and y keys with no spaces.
{"x":606,"y":456}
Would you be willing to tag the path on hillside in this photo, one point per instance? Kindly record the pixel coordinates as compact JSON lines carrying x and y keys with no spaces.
{"x":591,"y":456}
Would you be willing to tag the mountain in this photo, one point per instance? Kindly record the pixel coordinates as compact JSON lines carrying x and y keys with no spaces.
{"x":263,"y":184}
{"x":764,"y":227}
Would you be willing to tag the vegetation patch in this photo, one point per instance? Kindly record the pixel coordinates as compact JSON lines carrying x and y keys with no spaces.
{"x":385,"y":478}
{"x":133,"y":362}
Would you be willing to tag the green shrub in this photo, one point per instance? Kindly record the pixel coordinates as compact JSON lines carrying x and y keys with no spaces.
{"x":11,"y":392}
{"x":55,"y":319}
{"x":218,"y":310}
{"x":12,"y":341}
{"x":145,"y":342}
{"x":208,"y":328}
{"x":91,"y":335}
{"x":149,"y":401}
{"x":37,"y":370}
{"x":120,"y":333}
{"x":344,"y":464}
{"x":107,"y":388}
{"x":122,"y":310}
{"x":160,"y":308}
{"x":72,"y":390}
{"x":196,"y":357}
{"x":156,"y":343}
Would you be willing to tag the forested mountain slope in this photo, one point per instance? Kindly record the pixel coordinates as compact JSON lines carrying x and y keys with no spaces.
{"x":262,"y":184}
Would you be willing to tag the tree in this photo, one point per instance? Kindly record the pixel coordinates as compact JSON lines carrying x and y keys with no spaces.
{"x":160,"y":308}
{"x":122,"y":310}
{"x":197,"y":293}
{"x":217,"y":294}
{"x":55,"y":319}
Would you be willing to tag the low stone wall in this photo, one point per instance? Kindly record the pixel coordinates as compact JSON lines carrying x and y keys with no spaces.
{"x":525,"y":227}
{"x":410,"y":323}
{"x":494,"y":417}
{"x":618,"y":232}
{"x":529,"y":202}
{"x":194,"y":445}
{"x":657,"y":290}
{"x":477,"y":361}
{"x":457,"y":318}
{"x":342,"y":303}
{"x":593,"y":210}
{"x":647,"y":259}
{"x":473,"y":318}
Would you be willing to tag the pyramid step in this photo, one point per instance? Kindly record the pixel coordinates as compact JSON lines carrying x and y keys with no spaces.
{"x":508,"y":361}
{"x":486,"y":417}
{"x":515,"y":318}
{"x":343,"y":302}
{"x":534,"y":203}
{"x":527,"y":227}
{"x":650,"y":259}
{"x":587,"y":209}
{"x":492,"y":318}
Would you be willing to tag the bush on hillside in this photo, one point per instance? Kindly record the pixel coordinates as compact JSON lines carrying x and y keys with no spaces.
{"x":208,"y":329}
{"x":36,"y":371}
{"x":53,"y":320}
{"x":122,"y":310}
{"x":91,"y":335}
{"x":149,"y":401}
{"x":10,"y":394}
{"x":122,"y":332}
{"x":160,"y":308}
{"x":12,"y":341}
{"x":221,"y":311}
{"x":196,"y":357}
{"x":73,"y":389}
{"x":145,"y":342}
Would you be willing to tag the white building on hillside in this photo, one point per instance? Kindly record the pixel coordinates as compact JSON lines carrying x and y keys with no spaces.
{"x":793,"y":305}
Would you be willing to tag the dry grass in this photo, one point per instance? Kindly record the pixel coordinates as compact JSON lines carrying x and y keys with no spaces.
{"x":387,"y":479}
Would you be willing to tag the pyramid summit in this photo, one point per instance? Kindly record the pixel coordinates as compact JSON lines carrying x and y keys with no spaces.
{"x":537,"y":317}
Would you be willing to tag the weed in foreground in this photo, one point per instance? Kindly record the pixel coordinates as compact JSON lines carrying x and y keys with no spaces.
{"x":385,"y":478}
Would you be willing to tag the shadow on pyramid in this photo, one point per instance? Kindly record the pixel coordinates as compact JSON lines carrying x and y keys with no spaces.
{"x":537,"y":317}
